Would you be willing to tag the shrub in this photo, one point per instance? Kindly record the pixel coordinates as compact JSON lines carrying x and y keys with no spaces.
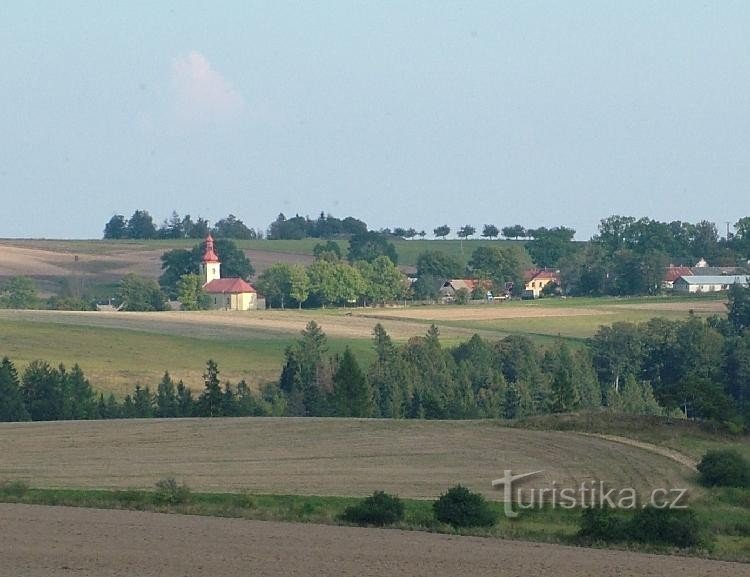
{"x":724,"y":468}
{"x":459,"y":507}
{"x":168,"y":492}
{"x":678,"y":527}
{"x":13,"y":488}
{"x":601,"y":524}
{"x":379,"y":509}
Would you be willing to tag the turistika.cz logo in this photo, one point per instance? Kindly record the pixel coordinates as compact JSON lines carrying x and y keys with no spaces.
{"x":589,"y":494}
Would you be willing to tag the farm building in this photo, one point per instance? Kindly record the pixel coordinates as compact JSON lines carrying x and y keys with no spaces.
{"x":452,"y":286}
{"x":701,"y":269}
{"x":234,"y":294}
{"x":707,"y":284}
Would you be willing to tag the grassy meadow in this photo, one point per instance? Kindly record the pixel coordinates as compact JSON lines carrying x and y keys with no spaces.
{"x":119,"y":350}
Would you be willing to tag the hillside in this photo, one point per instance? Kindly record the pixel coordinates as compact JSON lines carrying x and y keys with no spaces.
{"x":343,"y":457}
{"x":102,"y":262}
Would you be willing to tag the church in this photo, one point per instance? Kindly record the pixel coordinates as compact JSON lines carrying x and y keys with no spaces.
{"x":228,"y":294}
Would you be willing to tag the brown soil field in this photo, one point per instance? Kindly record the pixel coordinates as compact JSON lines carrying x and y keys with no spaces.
{"x":55,"y":541}
{"x":341,"y":457}
{"x":109,"y":262}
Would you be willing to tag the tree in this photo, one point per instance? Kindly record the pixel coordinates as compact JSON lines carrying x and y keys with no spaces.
{"x":11,"y":399}
{"x":369,"y":246}
{"x":79,"y":400}
{"x":190,"y":293}
{"x":516,"y":231}
{"x":141,"y":225}
{"x":738,"y":307}
{"x":438,"y":264}
{"x":564,"y":391}
{"x":185,"y":404}
{"x":233,"y":227}
{"x":139,"y":294}
{"x":116,"y":228}
{"x":495,"y":263}
{"x":176,"y":264}
{"x":490,"y":231}
{"x":466,"y":231}
{"x":441,"y":231}
{"x":330,"y":251}
{"x":18,"y":293}
{"x":551,"y":246}
{"x":299,"y":284}
{"x":167,"y":404}
{"x":275,"y":284}
{"x":353,"y":395}
{"x":210,"y":401}
{"x":143,"y":403}
{"x":383,"y":282}
{"x":42,"y":392}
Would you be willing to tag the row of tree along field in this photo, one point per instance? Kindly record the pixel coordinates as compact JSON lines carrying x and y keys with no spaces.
{"x":693,"y":368}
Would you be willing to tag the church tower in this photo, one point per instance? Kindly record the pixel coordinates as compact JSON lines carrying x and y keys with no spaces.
{"x":210,"y":264}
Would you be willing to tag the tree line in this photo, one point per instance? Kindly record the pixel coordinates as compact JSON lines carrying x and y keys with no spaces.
{"x":141,"y":225}
{"x":691,"y":368}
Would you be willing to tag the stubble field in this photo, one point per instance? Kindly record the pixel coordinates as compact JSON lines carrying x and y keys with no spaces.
{"x":337,"y":457}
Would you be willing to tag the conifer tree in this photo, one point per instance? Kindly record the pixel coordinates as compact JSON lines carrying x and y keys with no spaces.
{"x":11,"y":401}
{"x":353,"y":395}
{"x":166,"y":397}
{"x":211,"y":399}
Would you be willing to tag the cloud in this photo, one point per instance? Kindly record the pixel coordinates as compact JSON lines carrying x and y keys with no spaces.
{"x":201,"y":92}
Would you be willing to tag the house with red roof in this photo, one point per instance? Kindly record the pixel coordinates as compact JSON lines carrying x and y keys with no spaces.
{"x":232,"y":294}
{"x":536,"y":279}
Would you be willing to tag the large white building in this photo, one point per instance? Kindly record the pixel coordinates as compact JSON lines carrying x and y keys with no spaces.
{"x":708,"y":283}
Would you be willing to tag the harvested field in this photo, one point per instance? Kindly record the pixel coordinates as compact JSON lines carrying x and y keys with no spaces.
{"x":51,"y":541}
{"x":481,"y":312}
{"x":341,"y":457}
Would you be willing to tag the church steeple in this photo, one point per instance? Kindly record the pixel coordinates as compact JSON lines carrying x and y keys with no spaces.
{"x":210,"y":264}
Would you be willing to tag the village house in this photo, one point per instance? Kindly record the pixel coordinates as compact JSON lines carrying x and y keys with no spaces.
{"x":233,"y":294}
{"x":450,"y":287}
{"x":536,"y":280}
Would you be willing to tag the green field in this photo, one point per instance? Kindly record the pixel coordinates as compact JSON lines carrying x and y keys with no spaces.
{"x":119,"y":350}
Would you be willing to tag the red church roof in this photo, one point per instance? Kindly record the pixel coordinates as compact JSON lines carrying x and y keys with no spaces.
{"x":209,"y":255}
{"x":228,"y":285}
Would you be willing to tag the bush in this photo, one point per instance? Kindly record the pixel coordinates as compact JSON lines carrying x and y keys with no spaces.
{"x":13,"y":488}
{"x":602,"y":524}
{"x":678,"y":527}
{"x":379,"y":509}
{"x":724,"y":468}
{"x":459,"y":507}
{"x":168,"y":492}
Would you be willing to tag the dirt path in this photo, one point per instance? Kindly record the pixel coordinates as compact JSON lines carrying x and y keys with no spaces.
{"x":669,"y":453}
{"x":51,"y":541}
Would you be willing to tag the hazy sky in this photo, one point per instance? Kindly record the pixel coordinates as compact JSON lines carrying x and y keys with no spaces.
{"x":401,"y":113}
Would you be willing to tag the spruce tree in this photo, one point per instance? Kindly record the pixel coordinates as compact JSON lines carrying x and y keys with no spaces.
{"x":352,"y":393}
{"x":11,"y":401}
{"x":210,"y":401}
{"x":166,"y":397}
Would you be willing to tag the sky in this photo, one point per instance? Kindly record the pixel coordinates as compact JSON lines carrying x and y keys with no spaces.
{"x":401,"y":113}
